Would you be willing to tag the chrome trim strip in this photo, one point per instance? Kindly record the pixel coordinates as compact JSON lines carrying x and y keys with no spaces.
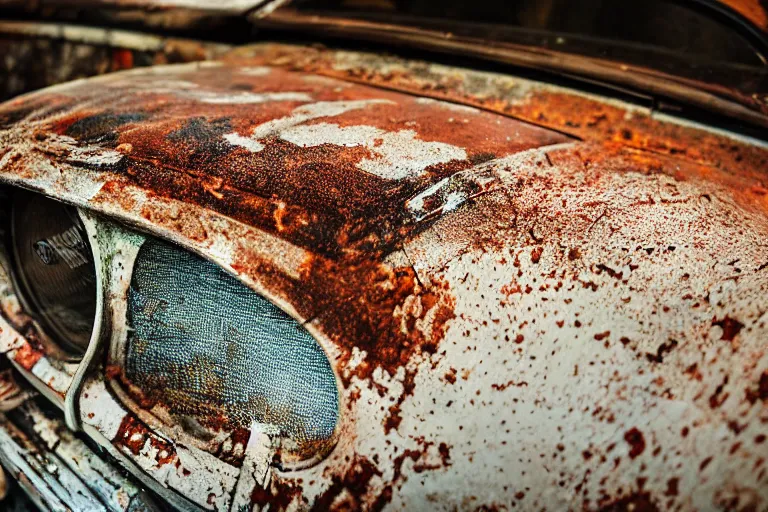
{"x":71,"y":406}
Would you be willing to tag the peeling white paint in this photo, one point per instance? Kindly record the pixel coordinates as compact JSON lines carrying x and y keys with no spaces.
{"x":395,"y":155}
{"x":298,"y":116}
{"x":248,"y":143}
{"x":99,"y":409}
{"x":522,"y":413}
{"x":95,"y":156}
{"x":50,"y":483}
{"x":9,"y":338}
{"x":453,"y":201}
{"x":243,"y":98}
{"x":254,"y":70}
{"x":312,"y":111}
{"x":101,"y":477}
{"x":53,"y":377}
{"x":255,"y":470}
{"x":199,"y":477}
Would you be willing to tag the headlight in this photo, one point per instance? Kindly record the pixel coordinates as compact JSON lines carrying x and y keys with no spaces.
{"x":215,"y":356}
{"x":53,"y":269}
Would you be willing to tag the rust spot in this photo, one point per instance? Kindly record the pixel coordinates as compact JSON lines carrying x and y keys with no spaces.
{"x":364,"y":297}
{"x":445,"y":454}
{"x":672,"y":487}
{"x":122,"y":59}
{"x":27,"y":356}
{"x":356,"y":481}
{"x":601,"y":267}
{"x":278,"y":496}
{"x":636,"y":442}
{"x":315,"y":196}
{"x":371,"y":306}
{"x":580,"y":116}
{"x":394,"y":419}
{"x":693,"y":372}
{"x":397,"y":463}
{"x":133,"y":435}
{"x":635,"y":502}
{"x":762,"y":389}
{"x":735,"y":427}
{"x":663,"y":349}
{"x":536,"y":254}
{"x":112,"y":371}
{"x":730,"y":326}
{"x":502,"y":387}
{"x":718,"y":397}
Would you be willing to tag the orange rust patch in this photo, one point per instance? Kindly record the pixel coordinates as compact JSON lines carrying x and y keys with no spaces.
{"x":122,"y":59}
{"x":278,"y":497}
{"x":362,"y":303}
{"x":369,"y":312}
{"x":133,"y":436}
{"x":27,"y":356}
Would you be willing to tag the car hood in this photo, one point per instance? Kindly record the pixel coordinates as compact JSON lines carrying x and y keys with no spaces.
{"x":471,"y":250}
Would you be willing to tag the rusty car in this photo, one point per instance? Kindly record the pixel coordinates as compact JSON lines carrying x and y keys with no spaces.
{"x":384,"y":255}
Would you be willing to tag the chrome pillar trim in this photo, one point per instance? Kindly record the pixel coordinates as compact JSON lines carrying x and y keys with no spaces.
{"x":71,"y":410}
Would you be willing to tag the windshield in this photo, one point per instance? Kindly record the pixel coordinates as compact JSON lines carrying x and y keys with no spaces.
{"x":586,"y":26}
{"x":704,"y":43}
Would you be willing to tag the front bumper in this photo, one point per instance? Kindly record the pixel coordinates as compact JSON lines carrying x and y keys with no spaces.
{"x":60,"y":472}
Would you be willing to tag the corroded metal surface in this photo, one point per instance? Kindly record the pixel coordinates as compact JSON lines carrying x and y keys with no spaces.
{"x":585,"y":116}
{"x":651,"y":77}
{"x":325,"y":164}
{"x":58,"y":470}
{"x":518,"y":316}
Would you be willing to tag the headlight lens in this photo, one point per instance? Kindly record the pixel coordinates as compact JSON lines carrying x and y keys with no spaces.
{"x":54,"y":269}
{"x":216,"y":355}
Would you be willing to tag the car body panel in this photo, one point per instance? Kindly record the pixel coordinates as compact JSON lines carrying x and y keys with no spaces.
{"x":59,"y":471}
{"x":531,"y":296}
